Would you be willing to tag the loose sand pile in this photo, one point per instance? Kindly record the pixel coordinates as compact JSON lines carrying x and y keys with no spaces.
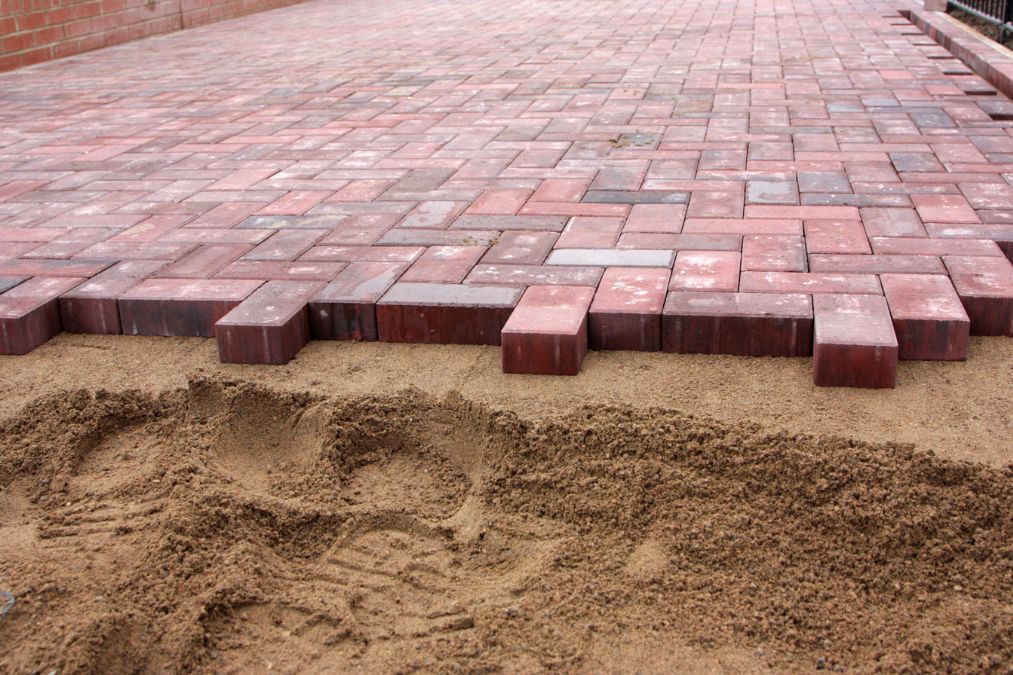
{"x":227,"y":526}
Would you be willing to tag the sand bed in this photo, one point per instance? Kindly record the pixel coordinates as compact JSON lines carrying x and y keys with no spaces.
{"x":228,"y":526}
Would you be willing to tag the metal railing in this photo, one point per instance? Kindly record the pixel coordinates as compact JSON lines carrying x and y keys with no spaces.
{"x":999,"y":13}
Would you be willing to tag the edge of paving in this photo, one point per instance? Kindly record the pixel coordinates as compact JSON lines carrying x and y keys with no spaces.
{"x":990,"y":60}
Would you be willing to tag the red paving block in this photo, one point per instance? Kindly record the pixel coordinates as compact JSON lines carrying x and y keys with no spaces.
{"x":444,"y":264}
{"x":680,"y":242}
{"x":988,"y":195}
{"x":985,"y":287}
{"x":570,"y":209}
{"x":803,"y":212}
{"x":744,"y":324}
{"x":268,"y":327}
{"x":92,"y":307}
{"x":706,"y":271}
{"x":854,"y":342}
{"x":774,"y":253}
{"x":836,"y":236}
{"x":534,"y":275}
{"x":876,"y":264}
{"x":502,"y":223}
{"x":715,"y":205}
{"x":560,"y":190}
{"x":294,"y":203}
{"x":185,"y":307}
{"x":433,"y":215}
{"x":609,"y":257}
{"x":137,"y":251}
{"x":349,"y":254}
{"x":411,"y":238}
{"x":521,"y":248}
{"x":345,"y":309}
{"x":444,"y":313}
{"x":547,"y":332}
{"x":892,"y":222}
{"x":498,"y":202}
{"x":585,"y":232}
{"x":936,"y":247}
{"x":285,"y":245}
{"x":52,"y":268}
{"x":272,"y":269}
{"x":944,"y":209}
{"x":666,"y":218}
{"x":626,"y":311}
{"x":732,"y":226}
{"x":29,"y":314}
{"x":204,"y":262}
{"x":928,"y":318}
{"x":809,"y":282}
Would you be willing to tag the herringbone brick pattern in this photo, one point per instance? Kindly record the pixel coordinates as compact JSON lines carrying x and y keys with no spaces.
{"x":720,"y":176}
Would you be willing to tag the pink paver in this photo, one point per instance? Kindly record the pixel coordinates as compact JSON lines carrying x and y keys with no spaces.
{"x":268,"y":327}
{"x":547,"y":332}
{"x":345,"y":309}
{"x":626,"y":311}
{"x":928,"y":318}
{"x":854,"y":343}
{"x":521,"y":248}
{"x":812,"y":282}
{"x":892,"y":222}
{"x":944,"y":209}
{"x":742,"y":162}
{"x":706,"y":271}
{"x":444,"y":264}
{"x":875,"y":264}
{"x":655,"y":218}
{"x":836,"y":236}
{"x":936,"y":247}
{"x":774,"y":253}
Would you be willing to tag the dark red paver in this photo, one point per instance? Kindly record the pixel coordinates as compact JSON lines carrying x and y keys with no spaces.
{"x":185,"y":307}
{"x":345,"y":309}
{"x":92,"y":307}
{"x":268,"y":327}
{"x":547,"y":332}
{"x":854,"y":344}
{"x":444,"y":313}
{"x":744,"y":324}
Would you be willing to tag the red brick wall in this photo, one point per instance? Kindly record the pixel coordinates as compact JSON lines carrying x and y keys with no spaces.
{"x":39,"y":30}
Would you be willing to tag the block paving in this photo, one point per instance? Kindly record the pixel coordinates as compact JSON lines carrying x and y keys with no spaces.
{"x":714,"y":176}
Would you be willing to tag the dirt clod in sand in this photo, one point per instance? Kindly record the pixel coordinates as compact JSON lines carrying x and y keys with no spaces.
{"x":228,"y":527}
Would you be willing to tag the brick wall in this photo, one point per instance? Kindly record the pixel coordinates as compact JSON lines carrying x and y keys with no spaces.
{"x":32,"y":31}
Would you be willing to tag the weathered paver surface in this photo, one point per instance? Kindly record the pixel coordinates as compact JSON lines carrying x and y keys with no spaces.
{"x":359,"y":150}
